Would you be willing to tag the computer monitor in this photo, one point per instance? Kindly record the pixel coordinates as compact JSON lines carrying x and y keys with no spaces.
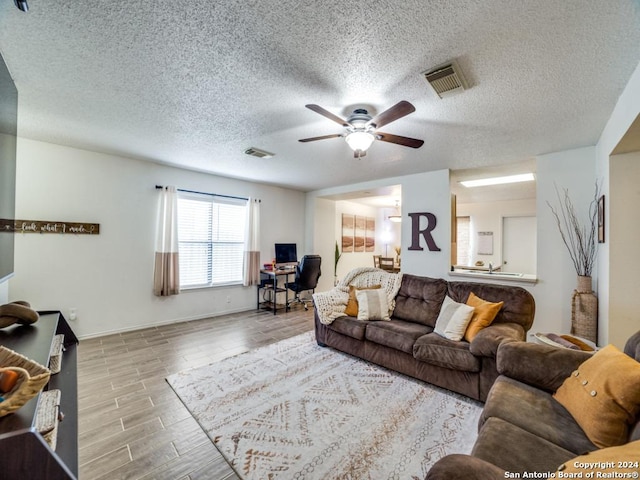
{"x":286,"y":254}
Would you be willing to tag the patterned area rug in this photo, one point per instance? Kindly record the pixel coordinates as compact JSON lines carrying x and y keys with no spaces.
{"x":294,"y":410}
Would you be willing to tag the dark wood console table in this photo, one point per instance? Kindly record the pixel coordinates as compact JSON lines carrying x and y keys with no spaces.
{"x":24,"y":452}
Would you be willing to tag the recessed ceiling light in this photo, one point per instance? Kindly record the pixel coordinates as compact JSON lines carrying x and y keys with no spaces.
{"x":482,"y":182}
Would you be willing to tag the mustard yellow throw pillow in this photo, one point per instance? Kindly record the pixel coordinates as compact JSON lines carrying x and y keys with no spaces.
{"x":605,"y":463}
{"x":603,"y":396}
{"x":352,"y":304}
{"x":483,"y":314}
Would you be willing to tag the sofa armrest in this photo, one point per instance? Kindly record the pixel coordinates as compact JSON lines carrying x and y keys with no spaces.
{"x":463,"y":467}
{"x":541,"y":366}
{"x":487,"y":341}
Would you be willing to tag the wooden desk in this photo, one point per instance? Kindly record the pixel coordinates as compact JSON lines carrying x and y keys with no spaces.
{"x":270,"y":283}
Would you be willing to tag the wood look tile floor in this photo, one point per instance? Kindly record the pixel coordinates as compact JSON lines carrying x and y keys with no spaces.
{"x":131,"y":423}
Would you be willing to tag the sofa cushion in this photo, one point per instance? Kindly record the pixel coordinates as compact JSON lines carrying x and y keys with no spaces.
{"x":437,"y":350}
{"x":352,"y":303}
{"x":396,"y":334}
{"x":372,"y":305}
{"x":632,"y":346}
{"x":352,"y":327}
{"x":419,"y":299}
{"x":544,"y":366}
{"x":483,"y":314}
{"x":603,"y":396}
{"x":537,"y":412}
{"x":516,"y":450}
{"x":457,"y":466}
{"x":635,"y":431}
{"x":453,"y":319}
{"x":620,"y":459}
{"x":519,"y":306}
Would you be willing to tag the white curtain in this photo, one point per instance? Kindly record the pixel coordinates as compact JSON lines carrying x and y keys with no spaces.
{"x":251,"y":274}
{"x":166,"y":276}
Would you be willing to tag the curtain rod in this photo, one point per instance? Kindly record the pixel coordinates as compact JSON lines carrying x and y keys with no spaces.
{"x":206,"y":193}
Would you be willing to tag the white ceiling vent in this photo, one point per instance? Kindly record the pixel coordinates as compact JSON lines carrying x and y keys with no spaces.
{"x":446,"y":79}
{"x":256,"y":152}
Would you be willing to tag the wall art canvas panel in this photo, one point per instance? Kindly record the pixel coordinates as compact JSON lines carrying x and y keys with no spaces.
{"x":370,"y":238}
{"x":360,"y":234}
{"x":348,"y":230}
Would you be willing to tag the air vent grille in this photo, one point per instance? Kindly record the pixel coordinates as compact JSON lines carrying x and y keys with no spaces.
{"x":256,"y":152}
{"x":446,"y":80}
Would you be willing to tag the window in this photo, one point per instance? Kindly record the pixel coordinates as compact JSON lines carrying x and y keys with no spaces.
{"x":211,"y":231}
{"x":463,"y":224}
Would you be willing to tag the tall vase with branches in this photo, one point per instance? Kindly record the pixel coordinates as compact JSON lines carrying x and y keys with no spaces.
{"x":580,"y":238}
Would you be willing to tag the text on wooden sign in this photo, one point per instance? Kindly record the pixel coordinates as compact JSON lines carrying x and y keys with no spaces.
{"x":39,"y":226}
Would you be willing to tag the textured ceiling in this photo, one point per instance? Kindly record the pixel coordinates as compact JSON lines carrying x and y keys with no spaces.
{"x":195,"y":83}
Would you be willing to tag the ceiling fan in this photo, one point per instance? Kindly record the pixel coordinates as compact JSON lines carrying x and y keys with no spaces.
{"x":361,"y":129}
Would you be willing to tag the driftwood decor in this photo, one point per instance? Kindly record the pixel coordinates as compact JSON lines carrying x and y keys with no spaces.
{"x":39,"y":226}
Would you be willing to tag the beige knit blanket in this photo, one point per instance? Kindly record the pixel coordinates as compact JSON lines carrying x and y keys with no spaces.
{"x":332,"y":303}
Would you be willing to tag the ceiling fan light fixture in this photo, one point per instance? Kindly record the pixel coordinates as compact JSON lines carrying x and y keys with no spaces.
{"x":22,"y":5}
{"x":397,"y":218}
{"x":359,"y":140}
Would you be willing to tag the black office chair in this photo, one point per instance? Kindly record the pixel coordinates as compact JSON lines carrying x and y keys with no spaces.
{"x":307,"y":275}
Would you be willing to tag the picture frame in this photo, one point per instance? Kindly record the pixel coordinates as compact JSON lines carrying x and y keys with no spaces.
{"x":601,"y":219}
{"x":485,"y":243}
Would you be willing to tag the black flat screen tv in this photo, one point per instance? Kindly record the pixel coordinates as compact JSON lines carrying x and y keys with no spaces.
{"x":286,"y":253}
{"x":8,"y":134}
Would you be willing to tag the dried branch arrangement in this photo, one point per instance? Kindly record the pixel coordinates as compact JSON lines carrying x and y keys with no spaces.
{"x":580,"y":239}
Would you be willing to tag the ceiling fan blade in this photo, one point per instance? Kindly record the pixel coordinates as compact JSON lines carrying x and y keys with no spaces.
{"x":404,"y":141}
{"x":392,"y":114}
{"x":328,"y":114}
{"x":313,"y":139}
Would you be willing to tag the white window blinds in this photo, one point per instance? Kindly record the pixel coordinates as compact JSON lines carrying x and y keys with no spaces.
{"x":211,"y":233}
{"x":463,"y":225}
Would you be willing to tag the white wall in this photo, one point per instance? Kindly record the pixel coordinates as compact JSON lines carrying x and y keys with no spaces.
{"x":387,"y":235}
{"x":487,"y":217}
{"x":108,"y":277}
{"x":423,"y":192}
{"x":624,"y":113}
{"x":324,"y":236}
{"x":624,"y":258}
{"x":350,"y":260}
{"x":574,"y":170}
{"x":427,"y":192}
{"x":4,"y":292}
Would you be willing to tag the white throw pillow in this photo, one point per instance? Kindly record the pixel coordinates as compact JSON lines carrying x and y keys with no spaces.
{"x":453,"y":319}
{"x":372,"y":305}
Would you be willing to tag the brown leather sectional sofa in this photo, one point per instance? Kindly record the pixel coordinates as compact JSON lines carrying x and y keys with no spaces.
{"x":524,"y":430}
{"x":408,"y":344}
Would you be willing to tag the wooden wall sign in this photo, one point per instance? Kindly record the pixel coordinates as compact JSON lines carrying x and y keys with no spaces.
{"x":39,"y":226}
